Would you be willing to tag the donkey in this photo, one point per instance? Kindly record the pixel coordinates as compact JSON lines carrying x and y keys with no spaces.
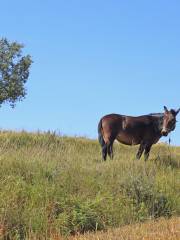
{"x":145,"y":130}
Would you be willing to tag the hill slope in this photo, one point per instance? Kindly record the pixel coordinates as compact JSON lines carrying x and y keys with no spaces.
{"x":59,"y":185}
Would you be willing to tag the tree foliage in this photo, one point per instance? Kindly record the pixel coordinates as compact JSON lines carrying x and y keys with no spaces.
{"x":14,"y":72}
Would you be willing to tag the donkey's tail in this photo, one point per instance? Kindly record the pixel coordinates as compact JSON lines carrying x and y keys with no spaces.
{"x":100,"y":136}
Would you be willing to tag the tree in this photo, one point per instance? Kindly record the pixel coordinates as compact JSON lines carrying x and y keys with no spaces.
{"x":14,"y":72}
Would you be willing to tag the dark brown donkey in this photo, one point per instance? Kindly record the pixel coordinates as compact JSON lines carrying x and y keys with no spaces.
{"x":145,"y":130}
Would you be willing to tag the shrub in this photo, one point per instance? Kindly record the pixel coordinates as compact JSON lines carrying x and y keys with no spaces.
{"x":149,"y":202}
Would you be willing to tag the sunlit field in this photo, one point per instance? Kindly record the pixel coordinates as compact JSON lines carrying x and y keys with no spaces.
{"x":161,"y":229}
{"x":54,"y":187}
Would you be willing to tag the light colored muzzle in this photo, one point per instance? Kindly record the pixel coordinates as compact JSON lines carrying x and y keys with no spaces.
{"x":164,"y":132}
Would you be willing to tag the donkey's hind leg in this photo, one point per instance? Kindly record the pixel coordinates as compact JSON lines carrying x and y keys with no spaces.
{"x":109,"y":139}
{"x":110,"y":150}
{"x":104,"y":152}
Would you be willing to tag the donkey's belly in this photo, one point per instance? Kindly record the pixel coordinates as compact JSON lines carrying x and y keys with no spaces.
{"x":128,"y":139}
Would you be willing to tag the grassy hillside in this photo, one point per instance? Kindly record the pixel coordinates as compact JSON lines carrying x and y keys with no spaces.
{"x":52,"y":185}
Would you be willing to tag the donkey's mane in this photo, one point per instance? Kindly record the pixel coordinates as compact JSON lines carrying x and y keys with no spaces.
{"x":156,"y":114}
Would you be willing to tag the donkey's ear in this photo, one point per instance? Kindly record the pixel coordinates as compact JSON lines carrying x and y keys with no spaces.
{"x":177,"y":111}
{"x":165,"y":109}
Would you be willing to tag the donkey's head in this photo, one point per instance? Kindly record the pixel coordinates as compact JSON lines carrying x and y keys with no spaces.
{"x":169,"y":121}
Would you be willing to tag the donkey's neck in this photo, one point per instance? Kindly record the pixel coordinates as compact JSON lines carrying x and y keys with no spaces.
{"x":158,"y":121}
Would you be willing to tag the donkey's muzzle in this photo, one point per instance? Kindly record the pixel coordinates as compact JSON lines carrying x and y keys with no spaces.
{"x":164,"y":133}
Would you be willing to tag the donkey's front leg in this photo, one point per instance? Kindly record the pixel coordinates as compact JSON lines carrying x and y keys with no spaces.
{"x":140,"y":151}
{"x":146,"y":152}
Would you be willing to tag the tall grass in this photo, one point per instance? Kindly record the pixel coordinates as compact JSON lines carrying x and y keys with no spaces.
{"x":59,"y":185}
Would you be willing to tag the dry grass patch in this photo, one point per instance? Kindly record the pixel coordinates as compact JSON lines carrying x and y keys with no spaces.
{"x":162,"y":229}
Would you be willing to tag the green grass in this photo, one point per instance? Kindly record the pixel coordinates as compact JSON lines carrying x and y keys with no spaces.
{"x":59,"y":185}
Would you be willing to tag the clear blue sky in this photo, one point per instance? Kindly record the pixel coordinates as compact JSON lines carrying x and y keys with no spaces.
{"x":93,"y":57}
